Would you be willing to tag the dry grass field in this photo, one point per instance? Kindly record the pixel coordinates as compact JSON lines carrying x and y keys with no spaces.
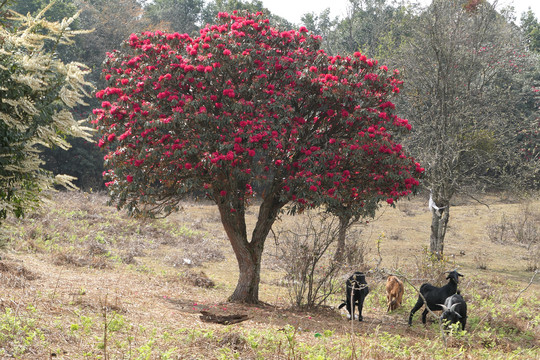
{"x":79,"y":280}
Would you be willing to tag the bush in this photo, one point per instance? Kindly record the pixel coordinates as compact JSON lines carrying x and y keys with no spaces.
{"x":429,"y":268}
{"x":307,"y":258}
{"x":522,"y":229}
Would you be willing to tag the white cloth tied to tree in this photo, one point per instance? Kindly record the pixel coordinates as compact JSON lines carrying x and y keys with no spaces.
{"x":433,"y":206}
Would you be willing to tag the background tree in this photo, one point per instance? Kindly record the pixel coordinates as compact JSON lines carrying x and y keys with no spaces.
{"x":323,"y":25}
{"x":529,"y":137}
{"x":245,"y":102}
{"x":469,"y":76}
{"x":183,"y":16}
{"x":374,"y":27}
{"x":111,"y":22}
{"x":531,"y":29}
{"x":37,"y":90}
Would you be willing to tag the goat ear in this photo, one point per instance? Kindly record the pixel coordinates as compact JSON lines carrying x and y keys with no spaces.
{"x":460,"y":275}
{"x":459,"y":316}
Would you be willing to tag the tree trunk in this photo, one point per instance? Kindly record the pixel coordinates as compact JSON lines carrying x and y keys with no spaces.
{"x":343,"y":226}
{"x":248,"y":253}
{"x":249,"y":265}
{"x":439,"y":223}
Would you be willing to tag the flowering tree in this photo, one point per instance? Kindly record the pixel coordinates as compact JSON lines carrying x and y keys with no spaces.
{"x":37,"y":91}
{"x":245,"y":103}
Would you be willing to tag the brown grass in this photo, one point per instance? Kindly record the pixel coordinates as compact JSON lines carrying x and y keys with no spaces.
{"x":78,"y":267}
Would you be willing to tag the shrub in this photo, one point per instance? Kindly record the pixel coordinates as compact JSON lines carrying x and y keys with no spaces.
{"x":312,"y":274}
{"x":523,"y":230}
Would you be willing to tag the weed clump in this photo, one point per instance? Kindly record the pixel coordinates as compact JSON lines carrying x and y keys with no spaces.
{"x":198,"y":279}
{"x":522,"y":229}
{"x":15,"y":275}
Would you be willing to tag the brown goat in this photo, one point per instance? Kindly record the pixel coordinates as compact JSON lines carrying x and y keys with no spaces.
{"x":394,"y":292}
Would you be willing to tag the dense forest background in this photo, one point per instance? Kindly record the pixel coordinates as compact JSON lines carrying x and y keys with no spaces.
{"x":476,"y":75}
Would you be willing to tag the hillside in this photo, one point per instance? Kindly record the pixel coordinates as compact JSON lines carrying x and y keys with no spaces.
{"x":79,"y":280}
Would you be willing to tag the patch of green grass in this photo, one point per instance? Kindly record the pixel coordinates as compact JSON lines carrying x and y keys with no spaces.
{"x":19,"y":332}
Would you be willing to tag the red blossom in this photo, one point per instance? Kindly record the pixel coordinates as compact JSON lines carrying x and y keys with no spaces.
{"x":229,"y":92}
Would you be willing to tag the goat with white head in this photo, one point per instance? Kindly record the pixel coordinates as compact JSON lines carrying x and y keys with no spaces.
{"x":434,"y":296}
{"x":454,"y":310}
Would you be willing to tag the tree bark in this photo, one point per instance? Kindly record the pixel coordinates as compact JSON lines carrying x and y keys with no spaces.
{"x":439,"y":224}
{"x":249,"y":253}
{"x":248,"y":257}
{"x":343,"y":226}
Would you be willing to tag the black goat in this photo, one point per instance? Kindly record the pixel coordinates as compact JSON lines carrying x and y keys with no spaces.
{"x":454,"y":310}
{"x":356,"y":290}
{"x":435,"y":296}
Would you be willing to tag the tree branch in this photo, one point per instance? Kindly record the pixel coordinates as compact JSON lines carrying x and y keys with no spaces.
{"x":526,"y":287}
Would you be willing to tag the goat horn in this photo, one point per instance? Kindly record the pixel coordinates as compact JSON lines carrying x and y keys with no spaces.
{"x":443,"y":306}
{"x":452,"y":308}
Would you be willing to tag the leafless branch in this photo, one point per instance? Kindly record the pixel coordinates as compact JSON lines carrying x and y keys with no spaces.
{"x":478,"y":200}
{"x":526,"y":287}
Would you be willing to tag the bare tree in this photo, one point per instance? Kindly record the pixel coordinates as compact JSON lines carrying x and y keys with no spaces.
{"x":466,"y":73}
